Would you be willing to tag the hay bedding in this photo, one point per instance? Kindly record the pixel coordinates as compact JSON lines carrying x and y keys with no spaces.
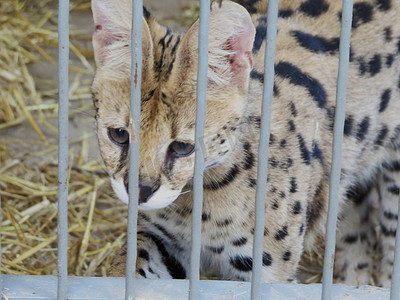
{"x":28,"y":178}
{"x":28,"y":162}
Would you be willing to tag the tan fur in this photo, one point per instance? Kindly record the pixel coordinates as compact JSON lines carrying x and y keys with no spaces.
{"x":297,"y":190}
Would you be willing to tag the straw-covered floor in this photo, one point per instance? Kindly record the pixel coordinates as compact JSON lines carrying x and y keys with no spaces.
{"x":28,"y":147}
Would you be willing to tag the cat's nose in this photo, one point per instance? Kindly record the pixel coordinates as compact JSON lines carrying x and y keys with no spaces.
{"x":145,"y":191}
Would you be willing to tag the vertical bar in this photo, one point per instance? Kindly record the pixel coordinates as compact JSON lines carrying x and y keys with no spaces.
{"x":194,"y":275}
{"x":63,"y":82}
{"x":136,"y":78}
{"x":395,"y":287}
{"x":337,"y":149}
{"x":262,"y":168}
{"x":1,"y":281}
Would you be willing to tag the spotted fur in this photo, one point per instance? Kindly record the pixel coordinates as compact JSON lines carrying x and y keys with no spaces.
{"x":306,"y":65}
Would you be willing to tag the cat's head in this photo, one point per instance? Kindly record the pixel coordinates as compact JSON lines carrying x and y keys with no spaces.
{"x":168,"y":96}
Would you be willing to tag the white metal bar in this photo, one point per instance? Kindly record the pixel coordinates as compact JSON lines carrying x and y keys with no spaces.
{"x":341,"y":87}
{"x":262,"y":169}
{"x":194,"y":273}
{"x":134,"y":145}
{"x":103,"y":288}
{"x":395,"y":288}
{"x":63,"y":82}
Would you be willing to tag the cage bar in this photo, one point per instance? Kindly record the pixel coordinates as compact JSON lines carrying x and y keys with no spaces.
{"x":63,"y":83}
{"x":134,"y":145}
{"x":333,"y":208}
{"x":395,"y":287}
{"x":201,"y":102}
{"x":262,"y":168}
{"x":27,"y":287}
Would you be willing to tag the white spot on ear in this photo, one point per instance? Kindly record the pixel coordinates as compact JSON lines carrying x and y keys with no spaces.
{"x":230,"y":41}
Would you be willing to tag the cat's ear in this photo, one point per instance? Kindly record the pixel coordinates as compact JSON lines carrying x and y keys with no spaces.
{"x":230,"y":42}
{"x":112,"y":36}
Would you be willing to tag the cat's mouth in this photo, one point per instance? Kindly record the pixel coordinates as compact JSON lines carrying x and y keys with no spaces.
{"x":149,"y":199}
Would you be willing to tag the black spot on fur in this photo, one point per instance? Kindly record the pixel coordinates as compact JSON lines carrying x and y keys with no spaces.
{"x":273,"y":162}
{"x":242,"y":263}
{"x":395,"y":190}
{"x":271,"y":139}
{"x":240,"y":241}
{"x":149,"y":96}
{"x":316,"y":43}
{"x":384,"y":4}
{"x":389,"y":60}
{"x":144,"y":254}
{"x":297,"y":77}
{"x":375,"y":65}
{"x":214,"y":185}
{"x":216,"y":250}
{"x":261,"y":33}
{"x":267,"y":259}
{"x":224,"y":223}
{"x":317,"y":152}
{"x":308,"y":211}
{"x":249,"y":161}
{"x":296,"y":208}
{"x":357,"y":193}
{"x":275,"y":204}
{"x":362,"y":13}
{"x":255,"y":120}
{"x":276,"y":90}
{"x":301,"y":230}
{"x":351,"y":238}
{"x":387,"y":33}
{"x":362,"y":66}
{"x":314,"y":8}
{"x":388,"y":232}
{"x":293,"y":109}
{"x":289,"y":163}
{"x":282,"y":144}
{"x":286,"y":256}
{"x":390,"y":216}
{"x":392,"y":166}
{"x":363,"y":129}
{"x":285,"y":13}
{"x":361,"y":266}
{"x":385,"y":98}
{"x":348,"y":125}
{"x":305,"y":153}
{"x":252,"y":182}
{"x":163,"y":216}
{"x":257,"y":75}
{"x":381,"y":135}
{"x":282,"y":233}
{"x":292,"y":127}
{"x":205,"y":217}
{"x":293,"y":185}
{"x":142,"y":273}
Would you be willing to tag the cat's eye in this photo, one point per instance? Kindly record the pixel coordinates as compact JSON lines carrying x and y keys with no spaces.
{"x":118,"y":136}
{"x":181,"y":149}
